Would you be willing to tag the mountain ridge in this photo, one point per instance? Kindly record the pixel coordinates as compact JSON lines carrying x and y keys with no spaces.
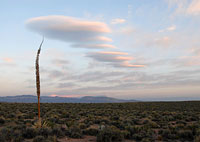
{"x":57,"y":99}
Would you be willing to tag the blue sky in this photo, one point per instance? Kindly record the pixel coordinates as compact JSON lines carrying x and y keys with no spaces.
{"x":131,"y":49}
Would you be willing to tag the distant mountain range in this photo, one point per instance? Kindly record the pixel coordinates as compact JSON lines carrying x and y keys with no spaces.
{"x":47,"y":99}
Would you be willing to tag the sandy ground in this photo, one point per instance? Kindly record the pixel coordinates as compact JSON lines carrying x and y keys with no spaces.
{"x":84,"y":139}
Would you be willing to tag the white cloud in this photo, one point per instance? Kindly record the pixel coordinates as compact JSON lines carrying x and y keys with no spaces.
{"x":171,"y":28}
{"x":118,"y":21}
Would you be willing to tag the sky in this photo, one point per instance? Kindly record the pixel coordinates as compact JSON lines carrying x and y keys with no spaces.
{"x":127,"y":49}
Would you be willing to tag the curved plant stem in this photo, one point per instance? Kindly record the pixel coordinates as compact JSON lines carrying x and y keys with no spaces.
{"x":38,"y":80}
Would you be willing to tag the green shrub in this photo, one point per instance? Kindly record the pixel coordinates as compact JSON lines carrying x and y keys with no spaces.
{"x":44,"y":132}
{"x":6,"y":134}
{"x":2,"y":138}
{"x":58,"y":132}
{"x":82,"y":126}
{"x":29,"y":133}
{"x":2,"y":120}
{"x":91,"y":132}
{"x":110,"y":135}
{"x":197,"y":139}
{"x":75,"y":132}
{"x":17,"y":136}
{"x":39,"y":139}
{"x":186,"y":134}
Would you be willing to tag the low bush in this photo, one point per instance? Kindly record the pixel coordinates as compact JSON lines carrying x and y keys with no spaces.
{"x":58,"y":132}
{"x":44,"y":132}
{"x":2,"y":120}
{"x":29,"y":133}
{"x":91,"y":132}
{"x":75,"y":132}
{"x":39,"y":139}
{"x":110,"y":135}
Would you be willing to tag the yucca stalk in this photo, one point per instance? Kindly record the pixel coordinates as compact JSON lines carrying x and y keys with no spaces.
{"x":38,"y":80}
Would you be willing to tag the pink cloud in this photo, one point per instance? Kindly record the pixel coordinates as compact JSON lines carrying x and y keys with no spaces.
{"x":118,"y":21}
{"x":187,"y":7}
{"x":123,"y":58}
{"x":127,"y":64}
{"x":8,"y":60}
{"x":194,"y":7}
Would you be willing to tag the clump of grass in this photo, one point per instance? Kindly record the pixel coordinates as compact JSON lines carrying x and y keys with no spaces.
{"x":38,"y":80}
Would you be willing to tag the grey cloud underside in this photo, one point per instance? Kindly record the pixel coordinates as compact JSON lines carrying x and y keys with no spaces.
{"x":92,"y":46}
{"x":114,"y":60}
{"x":66,"y":85}
{"x":104,"y":57}
{"x":69,"y":36}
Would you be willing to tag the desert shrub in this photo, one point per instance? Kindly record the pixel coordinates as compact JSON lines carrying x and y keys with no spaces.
{"x":11,"y":115}
{"x":185,"y":134}
{"x":91,"y":132}
{"x":197,"y":139}
{"x":29,"y":133}
{"x":146,"y":140}
{"x":17,"y":136}
{"x":110,"y":135}
{"x":6,"y":133}
{"x":126,"y":134}
{"x":136,"y":121}
{"x":117,"y":124}
{"x":58,"y":132}
{"x":153,"y":124}
{"x":133,"y":130}
{"x":2,"y":138}
{"x":75,"y":132}
{"x":44,"y":132}
{"x":2,"y":120}
{"x":82,"y":126}
{"x":52,"y":139}
{"x":39,"y":139}
{"x":137,"y":136}
{"x":165,"y":133}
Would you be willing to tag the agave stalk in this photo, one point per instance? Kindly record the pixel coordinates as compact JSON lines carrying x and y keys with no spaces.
{"x":38,"y":79}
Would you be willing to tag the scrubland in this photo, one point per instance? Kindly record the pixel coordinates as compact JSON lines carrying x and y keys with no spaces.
{"x":111,"y":122}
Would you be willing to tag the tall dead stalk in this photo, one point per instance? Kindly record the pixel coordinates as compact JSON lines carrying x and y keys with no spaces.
{"x":38,"y":80}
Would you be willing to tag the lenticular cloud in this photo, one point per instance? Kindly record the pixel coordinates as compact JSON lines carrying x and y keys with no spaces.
{"x":69,"y":29}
